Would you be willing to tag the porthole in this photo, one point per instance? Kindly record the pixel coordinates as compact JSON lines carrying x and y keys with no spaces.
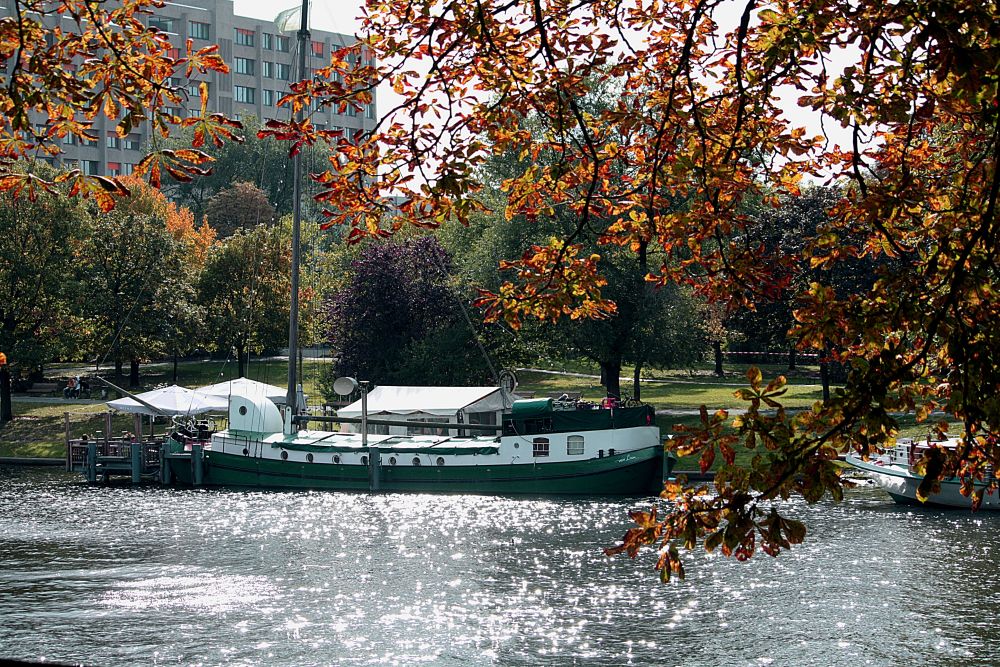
{"x":246,"y":452}
{"x":416,"y":460}
{"x":364,"y":460}
{"x":516,"y":445}
{"x":309,"y":457}
{"x":440,"y":460}
{"x":243,"y":410}
{"x":284,"y":455}
{"x":336,"y":458}
{"x":392,"y":460}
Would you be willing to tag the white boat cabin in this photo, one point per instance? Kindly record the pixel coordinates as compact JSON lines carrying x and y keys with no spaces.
{"x":420,"y":405}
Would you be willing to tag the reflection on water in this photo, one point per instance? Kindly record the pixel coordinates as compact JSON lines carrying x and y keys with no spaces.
{"x":116,"y":576}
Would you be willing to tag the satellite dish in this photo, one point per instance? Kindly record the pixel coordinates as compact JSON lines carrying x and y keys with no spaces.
{"x":345,"y":386}
{"x":507,"y":380}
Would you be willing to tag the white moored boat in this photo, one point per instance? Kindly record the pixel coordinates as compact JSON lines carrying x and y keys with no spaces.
{"x":894,"y":471}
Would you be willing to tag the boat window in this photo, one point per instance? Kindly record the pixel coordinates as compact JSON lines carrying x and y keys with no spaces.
{"x":574,"y":445}
{"x":427,"y":430}
{"x":540,"y":447}
{"x":528,"y":426}
{"x":483,"y":418}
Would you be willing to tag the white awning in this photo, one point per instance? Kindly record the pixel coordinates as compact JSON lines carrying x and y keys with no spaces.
{"x":439,"y":401}
{"x":172,"y":400}
{"x":245,"y":387}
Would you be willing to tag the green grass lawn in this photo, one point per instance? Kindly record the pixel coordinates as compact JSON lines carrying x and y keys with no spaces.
{"x":39,"y":429}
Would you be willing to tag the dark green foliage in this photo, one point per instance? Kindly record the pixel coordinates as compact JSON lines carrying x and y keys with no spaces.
{"x":38,"y":292}
{"x":396,"y":319}
{"x":244,"y":290}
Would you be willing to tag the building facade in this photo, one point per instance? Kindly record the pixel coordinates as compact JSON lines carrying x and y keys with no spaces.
{"x":263,"y":62}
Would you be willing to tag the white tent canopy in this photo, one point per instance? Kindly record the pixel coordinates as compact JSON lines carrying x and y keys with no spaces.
{"x":245,"y":387}
{"x":172,"y":400}
{"x":441,"y":401}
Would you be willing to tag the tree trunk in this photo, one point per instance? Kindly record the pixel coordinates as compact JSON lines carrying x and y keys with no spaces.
{"x":133,"y":372}
{"x":636,"y":387}
{"x":6,"y":411}
{"x":824,"y":374}
{"x":241,"y":362}
{"x":791,"y":358}
{"x":717,"y":350}
{"x":118,"y":371}
{"x":175,"y":365}
{"x":611,"y":371}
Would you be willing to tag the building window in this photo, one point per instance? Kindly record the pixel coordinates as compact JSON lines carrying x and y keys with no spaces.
{"x":112,"y":140}
{"x":281,"y":43}
{"x":267,"y":40}
{"x":114,"y":168}
{"x":574,"y":445}
{"x":244,"y":36}
{"x":243,"y":94}
{"x":132,"y":142}
{"x":245,"y":66}
{"x":161,"y":24}
{"x":84,"y":141}
{"x":69,"y":140}
{"x":317,"y":49}
{"x":370,"y":110}
{"x":540,"y":447}
{"x":128,"y":168}
{"x":282,"y":72}
{"x":267,"y":97}
{"x":198,"y":30}
{"x":267,"y":69}
{"x":90,"y":167}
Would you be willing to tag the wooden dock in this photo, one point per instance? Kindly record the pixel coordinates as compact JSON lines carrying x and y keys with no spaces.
{"x":103,"y":456}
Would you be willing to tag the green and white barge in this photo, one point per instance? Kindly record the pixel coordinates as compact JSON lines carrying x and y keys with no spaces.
{"x":542,"y":450}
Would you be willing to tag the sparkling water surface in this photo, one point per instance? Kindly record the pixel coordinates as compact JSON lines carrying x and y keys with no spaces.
{"x":121,"y":576}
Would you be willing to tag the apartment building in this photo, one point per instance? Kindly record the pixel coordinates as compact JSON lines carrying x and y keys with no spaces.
{"x":262,"y":60}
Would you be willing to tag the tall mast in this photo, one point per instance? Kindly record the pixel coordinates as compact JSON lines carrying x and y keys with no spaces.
{"x":291,"y":398}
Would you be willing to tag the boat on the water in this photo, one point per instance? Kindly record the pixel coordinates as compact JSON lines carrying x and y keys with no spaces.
{"x":895,"y":471}
{"x":545,"y":448}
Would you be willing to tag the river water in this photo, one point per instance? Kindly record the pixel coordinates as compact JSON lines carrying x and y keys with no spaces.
{"x":121,"y":576}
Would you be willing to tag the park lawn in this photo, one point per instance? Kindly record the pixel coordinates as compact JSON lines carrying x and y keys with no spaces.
{"x":38,"y":429}
{"x":686,"y":393}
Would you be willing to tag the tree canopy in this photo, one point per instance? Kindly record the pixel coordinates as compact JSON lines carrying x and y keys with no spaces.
{"x":244,"y":292}
{"x":396,"y":319}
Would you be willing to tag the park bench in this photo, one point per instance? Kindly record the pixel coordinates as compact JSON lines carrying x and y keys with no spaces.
{"x":42,"y":388}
